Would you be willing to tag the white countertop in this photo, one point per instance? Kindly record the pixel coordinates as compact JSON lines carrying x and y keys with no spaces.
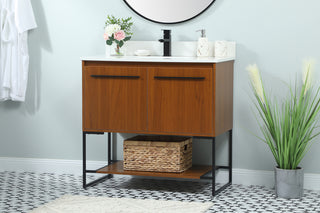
{"x":169,"y":59}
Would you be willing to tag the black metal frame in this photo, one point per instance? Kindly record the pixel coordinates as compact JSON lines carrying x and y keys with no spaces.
{"x":84,"y":160}
{"x":215,"y":167}
{"x":177,"y":22}
{"x":205,"y":176}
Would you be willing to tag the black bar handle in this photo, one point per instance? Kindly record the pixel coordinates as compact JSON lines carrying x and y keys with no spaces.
{"x":178,"y":78}
{"x":115,"y":76}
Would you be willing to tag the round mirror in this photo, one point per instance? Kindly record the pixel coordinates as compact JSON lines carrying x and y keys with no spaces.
{"x":169,"y":11}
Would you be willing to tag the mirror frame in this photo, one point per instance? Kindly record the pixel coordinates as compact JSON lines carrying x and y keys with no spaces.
{"x":178,"y":22}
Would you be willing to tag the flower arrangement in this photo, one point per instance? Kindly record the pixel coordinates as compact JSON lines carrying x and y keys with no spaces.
{"x":287,"y":128}
{"x":117,"y":31}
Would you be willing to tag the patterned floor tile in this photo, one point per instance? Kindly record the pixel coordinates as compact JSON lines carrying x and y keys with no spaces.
{"x":21,"y":192}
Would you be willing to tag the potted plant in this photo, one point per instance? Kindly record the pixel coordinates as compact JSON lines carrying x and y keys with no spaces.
{"x":117,"y":32}
{"x":288,"y":128}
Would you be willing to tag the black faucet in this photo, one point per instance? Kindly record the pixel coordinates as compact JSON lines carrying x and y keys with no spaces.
{"x":166,"y":42}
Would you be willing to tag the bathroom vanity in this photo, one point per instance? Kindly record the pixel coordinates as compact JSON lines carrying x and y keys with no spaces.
{"x":185,"y":96}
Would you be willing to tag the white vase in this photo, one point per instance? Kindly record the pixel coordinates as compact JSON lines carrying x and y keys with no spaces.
{"x":116,"y":50}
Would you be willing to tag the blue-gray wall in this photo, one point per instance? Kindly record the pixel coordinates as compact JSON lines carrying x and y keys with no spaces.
{"x":276,"y":35}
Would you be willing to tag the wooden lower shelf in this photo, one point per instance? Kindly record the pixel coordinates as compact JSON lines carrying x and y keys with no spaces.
{"x":195,"y":172}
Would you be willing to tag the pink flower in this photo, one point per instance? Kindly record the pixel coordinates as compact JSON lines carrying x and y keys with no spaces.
{"x":120,"y":35}
{"x":105,"y":36}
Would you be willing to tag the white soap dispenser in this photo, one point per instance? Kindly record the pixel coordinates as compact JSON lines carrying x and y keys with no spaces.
{"x":203,"y":44}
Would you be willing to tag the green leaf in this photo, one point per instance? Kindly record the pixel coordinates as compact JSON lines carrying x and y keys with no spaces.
{"x":109,"y":42}
{"x":121,"y":43}
{"x":127,"y":38}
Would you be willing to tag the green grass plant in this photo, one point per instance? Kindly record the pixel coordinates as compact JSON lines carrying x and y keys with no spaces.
{"x":288,"y":127}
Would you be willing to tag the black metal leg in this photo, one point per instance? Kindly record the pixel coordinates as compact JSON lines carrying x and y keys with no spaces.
{"x":230,"y":156}
{"x":109,"y":148}
{"x":109,"y":152}
{"x":213,"y":166}
{"x":84,"y":161}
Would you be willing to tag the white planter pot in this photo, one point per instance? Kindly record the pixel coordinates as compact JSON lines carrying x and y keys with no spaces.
{"x":289,"y":183}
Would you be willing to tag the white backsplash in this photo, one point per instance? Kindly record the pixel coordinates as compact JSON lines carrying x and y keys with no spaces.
{"x":178,"y":48}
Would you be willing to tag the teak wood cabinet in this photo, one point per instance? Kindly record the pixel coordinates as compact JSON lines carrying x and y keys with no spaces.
{"x":115,"y":98}
{"x":158,"y":98}
{"x":189,"y":99}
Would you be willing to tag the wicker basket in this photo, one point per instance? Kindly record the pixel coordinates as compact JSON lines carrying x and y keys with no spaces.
{"x":157,"y":153}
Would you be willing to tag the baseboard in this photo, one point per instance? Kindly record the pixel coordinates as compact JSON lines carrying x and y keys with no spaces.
{"x":240,"y":176}
{"x":46,"y":165}
{"x":249,"y":177}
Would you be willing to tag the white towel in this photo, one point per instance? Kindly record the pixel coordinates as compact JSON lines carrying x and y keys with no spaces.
{"x":16,"y":19}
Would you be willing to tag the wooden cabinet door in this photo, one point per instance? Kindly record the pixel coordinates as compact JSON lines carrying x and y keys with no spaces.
{"x":114,"y":98}
{"x":180,"y":100}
